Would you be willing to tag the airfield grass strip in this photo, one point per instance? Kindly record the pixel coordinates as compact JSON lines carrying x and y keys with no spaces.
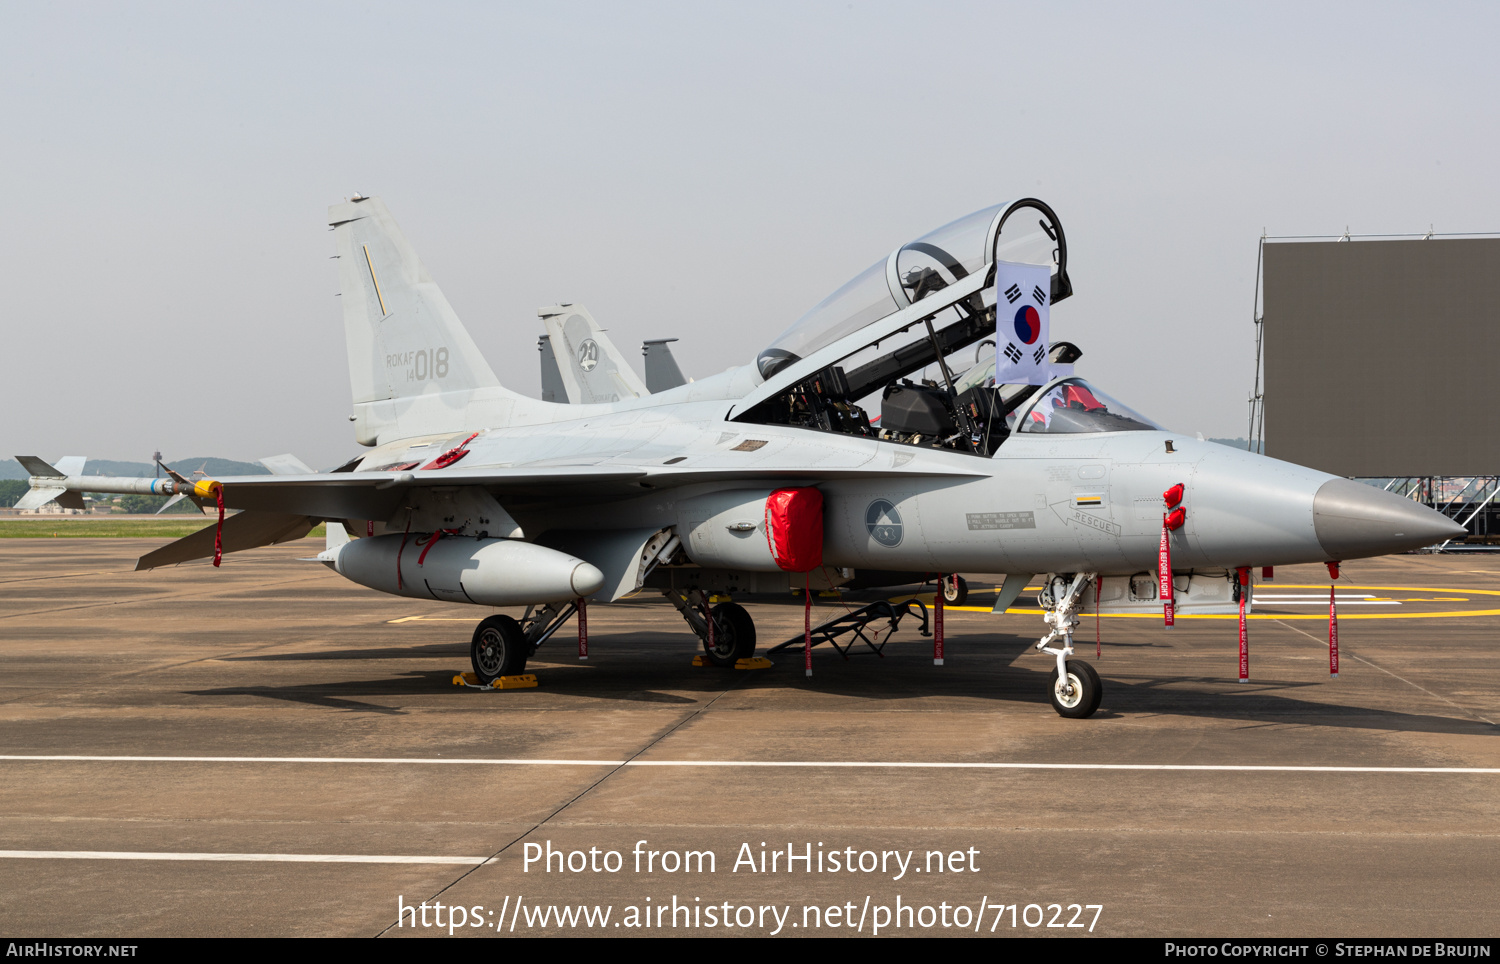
{"x":108,"y":528}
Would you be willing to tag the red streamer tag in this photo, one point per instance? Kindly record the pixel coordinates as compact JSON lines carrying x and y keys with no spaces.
{"x":1164,"y":574}
{"x":399,"y":551}
{"x":583,"y":628}
{"x":1333,"y":634}
{"x":806,"y":624}
{"x":937,"y":621}
{"x":219,"y":531}
{"x":1098,"y":644}
{"x":1244,"y":575}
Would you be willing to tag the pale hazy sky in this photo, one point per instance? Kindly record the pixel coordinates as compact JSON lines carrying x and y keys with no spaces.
{"x":704,"y":171}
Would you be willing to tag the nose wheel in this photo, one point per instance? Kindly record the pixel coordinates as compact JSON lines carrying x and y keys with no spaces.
{"x":1075,"y":695}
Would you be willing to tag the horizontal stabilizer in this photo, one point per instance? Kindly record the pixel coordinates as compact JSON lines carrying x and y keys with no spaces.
{"x":244,"y":530}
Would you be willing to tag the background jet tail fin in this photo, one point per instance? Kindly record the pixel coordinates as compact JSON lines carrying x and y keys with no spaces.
{"x":553,"y":389}
{"x":662,"y":372}
{"x":404,"y":339}
{"x":590,"y":367}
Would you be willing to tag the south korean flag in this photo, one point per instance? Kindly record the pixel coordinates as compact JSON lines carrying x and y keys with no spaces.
{"x":1022,"y":312}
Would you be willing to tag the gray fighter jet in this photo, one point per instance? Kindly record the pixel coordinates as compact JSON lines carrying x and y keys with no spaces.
{"x":772,"y":476}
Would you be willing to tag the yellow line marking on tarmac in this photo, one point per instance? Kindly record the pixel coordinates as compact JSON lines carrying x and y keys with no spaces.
{"x":1183,"y":615}
{"x":1287,"y":616}
{"x":433,"y":619}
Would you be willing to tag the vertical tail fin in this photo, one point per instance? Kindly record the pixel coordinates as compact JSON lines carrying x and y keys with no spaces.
{"x":404,"y":340}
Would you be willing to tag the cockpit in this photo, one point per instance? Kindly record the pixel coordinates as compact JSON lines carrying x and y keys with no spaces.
{"x":913,"y":338}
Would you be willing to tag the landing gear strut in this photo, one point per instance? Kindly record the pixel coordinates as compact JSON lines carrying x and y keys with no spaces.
{"x":733,"y":636}
{"x":1073,"y":685}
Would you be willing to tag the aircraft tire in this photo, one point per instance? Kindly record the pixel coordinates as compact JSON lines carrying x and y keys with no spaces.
{"x":734,"y":635}
{"x":955,"y":591}
{"x":1086,"y":691}
{"x":498,"y":649}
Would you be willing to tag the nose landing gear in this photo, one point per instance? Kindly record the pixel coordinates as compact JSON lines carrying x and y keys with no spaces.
{"x":1073,"y":685}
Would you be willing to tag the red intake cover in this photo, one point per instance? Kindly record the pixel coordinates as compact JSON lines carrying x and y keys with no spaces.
{"x":1176,"y":518}
{"x":794,"y":528}
{"x":1173,"y":495}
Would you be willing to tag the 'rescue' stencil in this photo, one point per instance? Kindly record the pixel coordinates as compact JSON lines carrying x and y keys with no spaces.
{"x":1088,"y":520}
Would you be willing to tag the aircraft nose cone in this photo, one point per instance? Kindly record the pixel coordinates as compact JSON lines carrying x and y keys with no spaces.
{"x":1353,"y":520}
{"x":587,"y":579}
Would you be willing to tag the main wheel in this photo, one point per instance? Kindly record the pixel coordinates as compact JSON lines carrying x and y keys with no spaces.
{"x":955,"y":591}
{"x":1080,"y":697}
{"x":734,"y":635}
{"x":499,"y":649}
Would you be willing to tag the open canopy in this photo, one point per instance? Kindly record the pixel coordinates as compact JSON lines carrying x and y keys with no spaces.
{"x":1025,"y":231}
{"x":899,"y":338}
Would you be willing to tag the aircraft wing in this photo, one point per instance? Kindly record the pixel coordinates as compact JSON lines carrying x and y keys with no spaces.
{"x":376,"y":495}
{"x":281,"y":508}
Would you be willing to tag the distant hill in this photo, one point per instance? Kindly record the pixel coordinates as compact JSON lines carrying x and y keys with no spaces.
{"x":11,"y":469}
{"x":1234,"y":443}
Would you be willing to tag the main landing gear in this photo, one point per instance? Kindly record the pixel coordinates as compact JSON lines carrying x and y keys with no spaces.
{"x":498,"y":649}
{"x":732,"y":637}
{"x":1073,"y":685}
{"x":502,"y":645}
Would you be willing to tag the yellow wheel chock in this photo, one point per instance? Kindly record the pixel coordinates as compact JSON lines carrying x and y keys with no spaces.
{"x":523,"y":682}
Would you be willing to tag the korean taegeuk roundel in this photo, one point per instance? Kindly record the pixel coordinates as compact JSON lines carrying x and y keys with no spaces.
{"x":1028,"y":324}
